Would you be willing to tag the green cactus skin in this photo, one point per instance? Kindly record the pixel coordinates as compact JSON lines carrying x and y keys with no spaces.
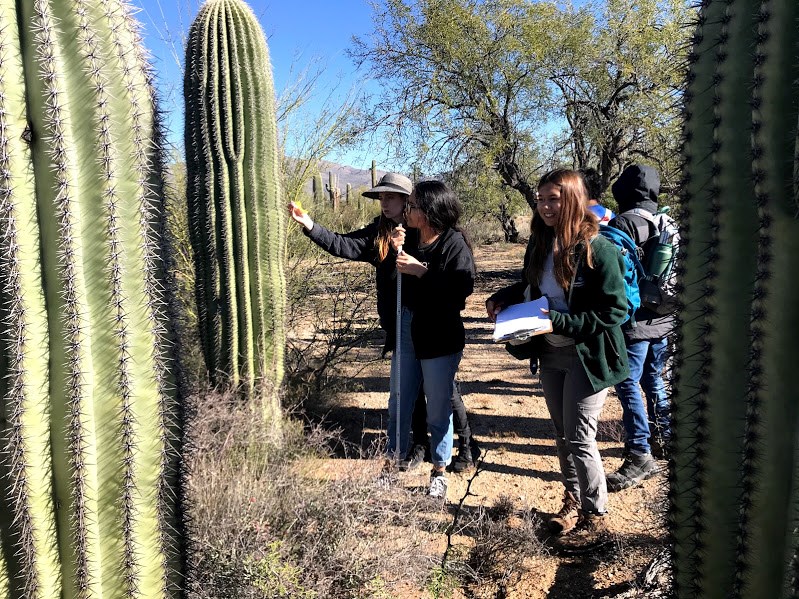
{"x":235,"y":213}
{"x":374,"y":173}
{"x":736,"y":449}
{"x":91,"y":410}
{"x":687,"y":380}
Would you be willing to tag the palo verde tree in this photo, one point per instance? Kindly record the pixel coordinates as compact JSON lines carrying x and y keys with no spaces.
{"x":618,"y":92}
{"x":498,"y":77}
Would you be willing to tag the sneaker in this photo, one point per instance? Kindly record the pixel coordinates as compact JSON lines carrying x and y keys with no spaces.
{"x":590,"y":533}
{"x":415,"y":458}
{"x":438,"y":485}
{"x":463,"y":461}
{"x":566,"y":519}
{"x":636,"y":467}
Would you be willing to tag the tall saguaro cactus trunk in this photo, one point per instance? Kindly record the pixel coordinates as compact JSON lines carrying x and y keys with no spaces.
{"x":235,"y":214}
{"x":735,"y":470}
{"x":90,"y":416}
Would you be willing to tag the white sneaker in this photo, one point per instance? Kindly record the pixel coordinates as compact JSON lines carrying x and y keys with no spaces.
{"x":438,"y":486}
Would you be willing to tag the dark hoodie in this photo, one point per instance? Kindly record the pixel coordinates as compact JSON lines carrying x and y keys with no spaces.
{"x":638,"y":186}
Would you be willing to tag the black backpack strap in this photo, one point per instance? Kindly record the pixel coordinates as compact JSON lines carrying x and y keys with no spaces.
{"x":641,"y":225}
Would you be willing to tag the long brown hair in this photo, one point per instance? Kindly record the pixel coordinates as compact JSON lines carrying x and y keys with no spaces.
{"x":571,"y":234}
{"x":383,"y":239}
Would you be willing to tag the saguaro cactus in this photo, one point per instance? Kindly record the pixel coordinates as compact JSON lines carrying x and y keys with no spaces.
{"x":735,"y":470}
{"x":333,"y":191}
{"x":318,"y":189}
{"x":90,"y":414}
{"x":235,"y":213}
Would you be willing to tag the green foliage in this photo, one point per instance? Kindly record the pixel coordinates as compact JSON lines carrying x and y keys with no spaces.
{"x":92,"y":418}
{"x":734,"y":505}
{"x":236,"y":211}
{"x":492,"y":81}
{"x":441,"y":584}
{"x":274,"y":577}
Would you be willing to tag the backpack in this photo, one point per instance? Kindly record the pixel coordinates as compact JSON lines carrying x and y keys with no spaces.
{"x":633,"y":269}
{"x":658,"y":240}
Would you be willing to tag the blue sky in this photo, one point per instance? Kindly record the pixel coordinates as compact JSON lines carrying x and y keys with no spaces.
{"x":298,"y":34}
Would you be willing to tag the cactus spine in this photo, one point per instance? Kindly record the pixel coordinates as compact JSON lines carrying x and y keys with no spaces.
{"x":91,"y":421}
{"x":735,"y":480}
{"x":236,"y":218}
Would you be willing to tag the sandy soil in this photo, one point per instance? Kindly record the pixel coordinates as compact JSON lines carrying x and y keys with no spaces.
{"x":509,"y":418}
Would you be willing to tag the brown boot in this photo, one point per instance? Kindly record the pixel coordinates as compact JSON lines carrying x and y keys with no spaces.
{"x":590,"y":533}
{"x":566,"y":518}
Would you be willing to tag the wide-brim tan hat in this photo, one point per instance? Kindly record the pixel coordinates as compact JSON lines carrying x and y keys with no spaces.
{"x":390,"y":182}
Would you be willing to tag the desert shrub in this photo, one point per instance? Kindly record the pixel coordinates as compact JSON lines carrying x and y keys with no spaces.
{"x":501,"y":539}
{"x":332,"y":314}
{"x":270,"y":522}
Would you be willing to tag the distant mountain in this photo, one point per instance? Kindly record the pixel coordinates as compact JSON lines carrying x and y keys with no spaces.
{"x":360,"y":179}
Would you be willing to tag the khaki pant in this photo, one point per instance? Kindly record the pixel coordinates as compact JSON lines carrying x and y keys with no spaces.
{"x":574,"y":408}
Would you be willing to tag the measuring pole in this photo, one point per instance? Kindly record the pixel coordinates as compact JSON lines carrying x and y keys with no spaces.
{"x":397,"y":344}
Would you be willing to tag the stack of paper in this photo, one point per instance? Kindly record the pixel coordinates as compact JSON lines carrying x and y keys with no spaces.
{"x":520,"y":321}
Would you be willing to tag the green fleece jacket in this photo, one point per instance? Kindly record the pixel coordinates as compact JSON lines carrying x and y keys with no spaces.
{"x":597,"y":307}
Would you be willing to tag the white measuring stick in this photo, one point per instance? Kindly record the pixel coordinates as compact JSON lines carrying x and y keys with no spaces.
{"x":397,"y":343}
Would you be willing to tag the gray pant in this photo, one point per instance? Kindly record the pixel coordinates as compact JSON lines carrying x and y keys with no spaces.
{"x":574,"y":408}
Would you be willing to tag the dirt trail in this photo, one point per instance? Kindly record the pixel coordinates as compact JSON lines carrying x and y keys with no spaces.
{"x":509,"y":418}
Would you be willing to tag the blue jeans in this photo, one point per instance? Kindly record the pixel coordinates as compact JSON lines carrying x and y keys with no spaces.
{"x":647,"y":359}
{"x":437,"y":377}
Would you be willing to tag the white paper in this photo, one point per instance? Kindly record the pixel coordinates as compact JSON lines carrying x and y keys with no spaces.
{"x":522,"y":320}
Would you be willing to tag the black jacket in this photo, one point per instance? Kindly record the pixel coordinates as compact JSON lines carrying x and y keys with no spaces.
{"x":360,"y":246}
{"x":638,"y":186}
{"x":438,"y":297}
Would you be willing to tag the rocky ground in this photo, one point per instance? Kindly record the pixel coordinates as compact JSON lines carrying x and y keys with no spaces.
{"x":509,"y":418}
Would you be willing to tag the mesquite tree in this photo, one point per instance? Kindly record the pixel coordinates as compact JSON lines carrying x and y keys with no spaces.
{"x":91,"y":421}
{"x":236,"y":217}
{"x":735,"y":470}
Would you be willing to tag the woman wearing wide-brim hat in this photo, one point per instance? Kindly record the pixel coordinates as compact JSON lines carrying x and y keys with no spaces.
{"x":372,"y":244}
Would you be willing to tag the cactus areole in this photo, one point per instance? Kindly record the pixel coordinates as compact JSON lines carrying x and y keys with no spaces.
{"x":236,"y":220}
{"x":90,"y":415}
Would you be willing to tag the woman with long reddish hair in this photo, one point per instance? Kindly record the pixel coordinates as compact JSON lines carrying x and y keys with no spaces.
{"x":580,"y":274}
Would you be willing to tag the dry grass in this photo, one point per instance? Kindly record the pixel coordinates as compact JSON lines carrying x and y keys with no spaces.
{"x":268,"y":525}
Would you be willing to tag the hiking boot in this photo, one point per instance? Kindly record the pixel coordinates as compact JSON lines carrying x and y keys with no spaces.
{"x":438,"y":485}
{"x":590,"y":533}
{"x":415,"y":458}
{"x":636,"y":468}
{"x":566,"y":519}
{"x":464,"y":460}
{"x":475,"y":449}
